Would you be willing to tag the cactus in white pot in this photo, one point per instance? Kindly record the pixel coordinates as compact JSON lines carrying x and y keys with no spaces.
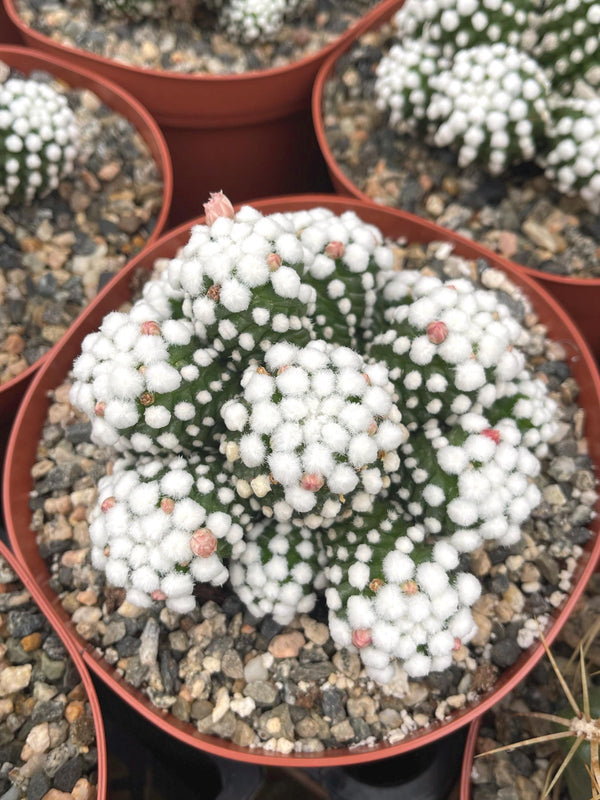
{"x":290,"y":413}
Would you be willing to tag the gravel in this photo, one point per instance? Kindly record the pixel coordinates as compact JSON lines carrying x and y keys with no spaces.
{"x":517,"y":214}
{"x":288,"y":689}
{"x":47,"y":734}
{"x":56,"y":254}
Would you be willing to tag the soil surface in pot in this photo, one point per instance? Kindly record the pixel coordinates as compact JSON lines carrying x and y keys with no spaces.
{"x":47,"y":733}
{"x":517,"y":214}
{"x":288,"y":689}
{"x":520,"y":774}
{"x":58,"y":252}
{"x":198,"y":46}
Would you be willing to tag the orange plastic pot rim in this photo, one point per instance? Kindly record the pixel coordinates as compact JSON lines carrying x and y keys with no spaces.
{"x":138,"y":116}
{"x":340,"y":179}
{"x":74,"y":654}
{"x":393,"y":223}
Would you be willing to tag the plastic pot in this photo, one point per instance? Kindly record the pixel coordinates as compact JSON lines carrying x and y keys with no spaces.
{"x":26,"y":61}
{"x":579,"y":296}
{"x":9,"y":33}
{"x":73,"y":653}
{"x":31,"y":418}
{"x":467,"y":761}
{"x":250,"y":135}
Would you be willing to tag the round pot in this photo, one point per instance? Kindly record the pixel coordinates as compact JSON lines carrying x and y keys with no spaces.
{"x":27,"y":61}
{"x":579,"y":296}
{"x":32,"y":415}
{"x":467,"y":760}
{"x":73,"y":653}
{"x":249,"y":135}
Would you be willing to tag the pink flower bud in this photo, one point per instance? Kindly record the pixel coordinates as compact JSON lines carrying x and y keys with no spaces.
{"x":361,"y":637}
{"x":312,"y":482}
{"x":409,"y":587}
{"x":107,"y":504}
{"x":437,"y":332}
{"x":273,"y":261}
{"x":150,"y":328}
{"x":335,"y":249}
{"x":457,"y":644}
{"x":100,"y":408}
{"x":492,"y":434}
{"x":157,"y":594}
{"x":167,"y":505}
{"x":218,"y":206}
{"x":203,"y":542}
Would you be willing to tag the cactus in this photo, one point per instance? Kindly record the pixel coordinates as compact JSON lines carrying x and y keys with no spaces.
{"x":573,"y":160}
{"x":245,"y":21}
{"x":454,"y":25}
{"x":289,"y":412}
{"x":568,"y":45}
{"x":38,"y":140}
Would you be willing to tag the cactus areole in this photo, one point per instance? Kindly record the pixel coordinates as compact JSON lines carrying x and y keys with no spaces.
{"x":291,"y":414}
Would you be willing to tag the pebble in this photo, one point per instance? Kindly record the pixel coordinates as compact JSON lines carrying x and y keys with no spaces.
{"x":286,"y":645}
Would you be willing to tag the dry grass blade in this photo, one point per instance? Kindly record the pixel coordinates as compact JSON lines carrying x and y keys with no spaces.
{"x":566,"y":761}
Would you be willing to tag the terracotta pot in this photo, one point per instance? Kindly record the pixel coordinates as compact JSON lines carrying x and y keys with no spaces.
{"x":26,"y":61}
{"x":73,"y":653}
{"x":32,"y":415}
{"x":250,"y":135}
{"x":579,"y":296}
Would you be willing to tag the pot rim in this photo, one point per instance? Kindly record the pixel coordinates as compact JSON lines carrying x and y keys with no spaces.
{"x":95,"y":59}
{"x":143,"y":122}
{"x":74,"y":654}
{"x":467,"y":761}
{"x":16,"y":486}
{"x":349,"y":188}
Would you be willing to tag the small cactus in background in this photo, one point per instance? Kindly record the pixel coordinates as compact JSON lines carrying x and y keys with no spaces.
{"x":245,"y":21}
{"x":493,"y":94}
{"x":38,"y":140}
{"x":573,"y":161}
{"x":292,"y":414}
{"x":454,"y":25}
{"x":569,"y":45}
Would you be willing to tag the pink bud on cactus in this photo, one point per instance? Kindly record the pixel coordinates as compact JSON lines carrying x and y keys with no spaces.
{"x":150,"y":328}
{"x":457,"y":644}
{"x":158,"y":594}
{"x":273,"y":261}
{"x":335,"y":249}
{"x":107,"y":504}
{"x":100,"y":408}
{"x":219,"y":205}
{"x":203,"y":542}
{"x":437,"y":331}
{"x":312,"y":482}
{"x":167,"y":505}
{"x":361,"y":637}
{"x":409,"y":587}
{"x":492,"y":434}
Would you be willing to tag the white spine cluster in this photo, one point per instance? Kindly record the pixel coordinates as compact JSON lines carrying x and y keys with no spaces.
{"x":573,"y":162}
{"x":454,"y":25}
{"x":252,"y":20}
{"x":317,"y":428}
{"x":491,"y":106}
{"x":569,"y":46}
{"x":39,"y":138}
{"x":260,"y":446}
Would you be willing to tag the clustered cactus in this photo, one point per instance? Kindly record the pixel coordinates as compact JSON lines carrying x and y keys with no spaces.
{"x":291,"y":413}
{"x":39,"y":138}
{"x":243,"y":20}
{"x":491,"y":81}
